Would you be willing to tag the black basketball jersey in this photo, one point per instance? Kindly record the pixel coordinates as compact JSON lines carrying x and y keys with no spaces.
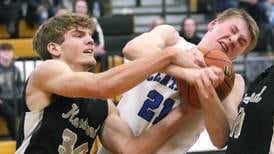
{"x":252,"y":130}
{"x":67,"y":125}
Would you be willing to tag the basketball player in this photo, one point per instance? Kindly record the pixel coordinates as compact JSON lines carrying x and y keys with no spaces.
{"x":60,"y":115}
{"x":252,"y":130}
{"x":233,"y":32}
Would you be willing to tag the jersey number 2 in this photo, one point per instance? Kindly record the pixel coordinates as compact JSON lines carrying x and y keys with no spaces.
{"x":153,"y":102}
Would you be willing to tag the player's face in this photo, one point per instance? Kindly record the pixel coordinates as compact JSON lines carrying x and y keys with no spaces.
{"x":231,"y":36}
{"x":6,"y":57}
{"x":81,"y":7}
{"x":189,"y":27}
{"x":78,"y":48}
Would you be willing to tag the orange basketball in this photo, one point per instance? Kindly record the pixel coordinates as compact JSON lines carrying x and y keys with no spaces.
{"x":212,"y":58}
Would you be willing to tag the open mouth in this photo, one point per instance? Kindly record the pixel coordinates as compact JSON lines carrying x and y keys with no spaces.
{"x":224,"y":47}
{"x":89,"y":51}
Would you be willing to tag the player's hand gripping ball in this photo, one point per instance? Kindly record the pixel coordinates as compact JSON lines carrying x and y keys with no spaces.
{"x":212,"y":58}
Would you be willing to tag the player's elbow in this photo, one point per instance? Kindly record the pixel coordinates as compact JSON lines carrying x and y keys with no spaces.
{"x":129,"y":48}
{"x":220,"y":144}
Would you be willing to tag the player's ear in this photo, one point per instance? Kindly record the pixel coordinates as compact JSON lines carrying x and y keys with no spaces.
{"x":211,"y":25}
{"x":54,"y":49}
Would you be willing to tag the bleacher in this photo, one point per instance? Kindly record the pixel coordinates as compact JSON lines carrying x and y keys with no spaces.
{"x":24,"y":30}
{"x":7,"y":146}
{"x":23,"y":49}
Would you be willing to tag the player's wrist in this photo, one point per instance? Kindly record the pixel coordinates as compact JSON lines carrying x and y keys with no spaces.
{"x":170,"y":53}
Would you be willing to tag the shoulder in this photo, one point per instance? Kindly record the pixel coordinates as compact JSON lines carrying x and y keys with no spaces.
{"x":237,"y":91}
{"x":182,"y":43}
{"x":167,"y":33}
{"x":42,"y":81}
{"x":239,"y":80}
{"x":164,"y":29}
{"x":49,"y":66}
{"x":239,"y":85}
{"x":48,"y":69}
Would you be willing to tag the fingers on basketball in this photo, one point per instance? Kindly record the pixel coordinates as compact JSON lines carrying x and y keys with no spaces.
{"x":212,"y":58}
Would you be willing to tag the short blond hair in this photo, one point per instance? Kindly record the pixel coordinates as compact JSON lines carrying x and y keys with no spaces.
{"x":252,"y":25}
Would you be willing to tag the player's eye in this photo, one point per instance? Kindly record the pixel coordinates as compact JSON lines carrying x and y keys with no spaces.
{"x":242,"y":42}
{"x":78,"y":35}
{"x":233,"y":31}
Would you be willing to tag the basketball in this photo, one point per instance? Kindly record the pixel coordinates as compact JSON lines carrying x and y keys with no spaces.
{"x":212,"y":58}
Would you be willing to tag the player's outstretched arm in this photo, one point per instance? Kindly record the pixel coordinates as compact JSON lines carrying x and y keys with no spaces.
{"x":56,"y":77}
{"x":151,"y":42}
{"x":158,"y":39}
{"x":117,"y":137}
{"x":165,"y":38}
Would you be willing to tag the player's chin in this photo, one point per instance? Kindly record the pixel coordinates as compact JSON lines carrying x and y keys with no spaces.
{"x":89,"y":61}
{"x":92,"y":61}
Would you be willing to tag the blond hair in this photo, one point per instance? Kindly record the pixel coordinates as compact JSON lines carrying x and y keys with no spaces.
{"x":251,"y":23}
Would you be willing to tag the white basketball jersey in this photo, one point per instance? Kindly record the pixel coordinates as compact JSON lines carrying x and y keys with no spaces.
{"x":151,"y":100}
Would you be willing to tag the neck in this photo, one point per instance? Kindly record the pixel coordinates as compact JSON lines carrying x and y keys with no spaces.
{"x":80,"y":68}
{"x":203,"y":44}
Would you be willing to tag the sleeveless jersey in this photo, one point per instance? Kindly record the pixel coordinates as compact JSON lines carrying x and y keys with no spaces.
{"x":252,"y":131}
{"x":150,"y":101}
{"x":66,"y":126}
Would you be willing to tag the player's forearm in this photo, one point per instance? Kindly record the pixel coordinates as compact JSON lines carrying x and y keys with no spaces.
{"x":220,"y":115}
{"x":218,"y":131}
{"x":175,"y":71}
{"x":123,"y":77}
{"x":216,"y":121}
